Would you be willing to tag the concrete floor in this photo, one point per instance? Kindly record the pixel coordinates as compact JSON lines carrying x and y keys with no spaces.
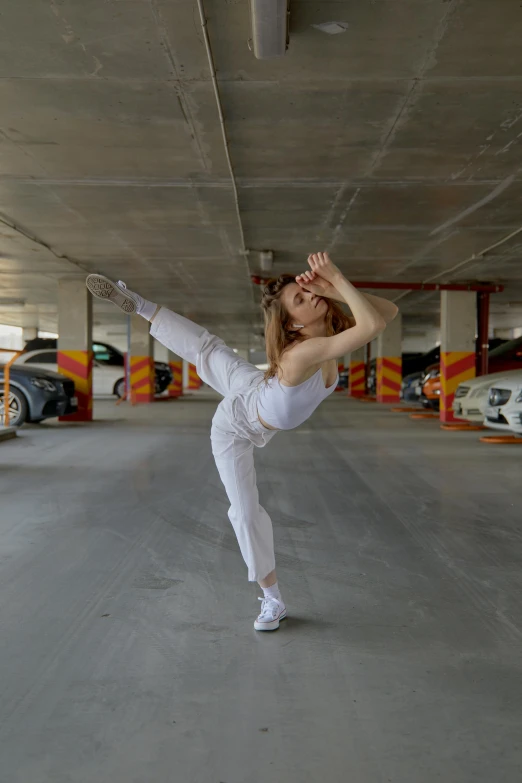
{"x":127,"y":648}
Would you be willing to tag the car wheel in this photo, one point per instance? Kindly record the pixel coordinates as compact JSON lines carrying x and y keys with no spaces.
{"x":119,"y":388}
{"x":18,"y":407}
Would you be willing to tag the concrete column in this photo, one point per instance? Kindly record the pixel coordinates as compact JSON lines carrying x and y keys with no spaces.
{"x":75,"y":343}
{"x":389,"y":362}
{"x":457,"y":345}
{"x":175,"y":388}
{"x":29,"y":333}
{"x":194,"y":381}
{"x":175,"y":362}
{"x":357,"y":376}
{"x":161,"y":352}
{"x":142,"y":380}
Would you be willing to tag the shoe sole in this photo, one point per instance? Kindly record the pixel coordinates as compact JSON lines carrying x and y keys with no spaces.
{"x":103,"y":288}
{"x":270,"y":626}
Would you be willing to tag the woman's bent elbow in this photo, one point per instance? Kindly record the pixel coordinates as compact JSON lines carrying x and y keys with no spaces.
{"x":378,"y":327}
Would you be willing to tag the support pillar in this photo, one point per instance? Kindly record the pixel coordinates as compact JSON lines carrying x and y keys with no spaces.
{"x":29,"y":333}
{"x":194,"y":381}
{"x":457,"y":349}
{"x":389,"y":362}
{"x":75,"y":343}
{"x":357,"y":376}
{"x":482,"y":346}
{"x":175,"y":388}
{"x":142,"y":380}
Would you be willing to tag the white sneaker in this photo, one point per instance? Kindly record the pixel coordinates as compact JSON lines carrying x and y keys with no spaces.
{"x":272,"y":611}
{"x":116,"y":293}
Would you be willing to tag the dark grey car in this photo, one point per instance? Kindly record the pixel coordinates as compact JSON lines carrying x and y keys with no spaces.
{"x":35,"y":395}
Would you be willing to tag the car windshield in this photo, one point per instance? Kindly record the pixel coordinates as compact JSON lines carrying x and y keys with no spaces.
{"x":106,"y":354}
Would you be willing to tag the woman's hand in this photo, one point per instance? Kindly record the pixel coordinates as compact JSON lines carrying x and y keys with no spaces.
{"x":310,"y":281}
{"x":322,"y":265}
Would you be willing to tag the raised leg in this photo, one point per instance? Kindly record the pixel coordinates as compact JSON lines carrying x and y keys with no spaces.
{"x":216,"y":363}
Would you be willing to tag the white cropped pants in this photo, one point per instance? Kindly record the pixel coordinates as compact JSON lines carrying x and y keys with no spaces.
{"x":236,"y":429}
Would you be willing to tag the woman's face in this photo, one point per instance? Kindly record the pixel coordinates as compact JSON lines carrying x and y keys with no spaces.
{"x":303,"y":307}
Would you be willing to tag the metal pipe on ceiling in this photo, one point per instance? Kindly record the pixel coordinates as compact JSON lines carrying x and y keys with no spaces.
{"x":399,"y":286}
{"x":269,"y":28}
{"x":219,"y":106}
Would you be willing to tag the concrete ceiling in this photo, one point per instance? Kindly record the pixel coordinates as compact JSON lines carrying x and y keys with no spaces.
{"x":395,"y":145}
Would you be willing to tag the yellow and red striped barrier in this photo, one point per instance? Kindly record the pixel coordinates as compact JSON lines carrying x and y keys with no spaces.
{"x":142,"y":380}
{"x":455,"y":367}
{"x":175,"y":388}
{"x":340,"y":369}
{"x":357,"y":379}
{"x":77,"y":365}
{"x":389,"y":378}
{"x":194,"y":381}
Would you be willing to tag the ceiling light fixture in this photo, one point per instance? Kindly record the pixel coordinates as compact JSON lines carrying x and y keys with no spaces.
{"x":332,"y":28}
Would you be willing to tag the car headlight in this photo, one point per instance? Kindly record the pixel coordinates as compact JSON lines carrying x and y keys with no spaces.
{"x":43,"y":383}
{"x":519,"y":398}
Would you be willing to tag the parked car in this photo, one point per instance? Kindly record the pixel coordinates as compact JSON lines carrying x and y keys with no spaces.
{"x":506,"y":356}
{"x":419,"y":362}
{"x":411,"y":387}
{"x":343,"y":380}
{"x":36,"y":394}
{"x":430,"y":396}
{"x":108,"y":366}
{"x":105,"y":379}
{"x":471,"y":397}
{"x":108,"y":355}
{"x":504,"y":408}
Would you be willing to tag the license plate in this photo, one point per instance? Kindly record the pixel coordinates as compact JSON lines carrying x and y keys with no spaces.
{"x":418,"y":391}
{"x":493,"y":413}
{"x":74,"y":401}
{"x":457,"y":407}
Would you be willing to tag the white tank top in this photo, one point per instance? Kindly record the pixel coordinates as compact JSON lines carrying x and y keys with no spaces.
{"x":286,"y":407}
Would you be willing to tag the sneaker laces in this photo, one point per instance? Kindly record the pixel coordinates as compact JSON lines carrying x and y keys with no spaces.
{"x":269,"y":607}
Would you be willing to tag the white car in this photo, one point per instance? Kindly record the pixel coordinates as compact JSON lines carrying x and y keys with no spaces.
{"x":504,"y":408}
{"x":471,"y":397}
{"x":105,"y":379}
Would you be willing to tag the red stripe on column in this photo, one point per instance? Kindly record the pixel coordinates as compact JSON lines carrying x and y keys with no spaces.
{"x":71,"y":365}
{"x":139,"y":364}
{"x":456,"y":368}
{"x":389,"y":384}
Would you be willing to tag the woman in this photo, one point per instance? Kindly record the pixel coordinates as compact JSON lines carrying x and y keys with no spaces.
{"x":305,"y":335}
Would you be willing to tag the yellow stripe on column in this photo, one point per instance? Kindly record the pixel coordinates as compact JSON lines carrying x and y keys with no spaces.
{"x":389,"y":378}
{"x":142,"y":380}
{"x":357,"y":379}
{"x":77,"y":365}
{"x":175,"y":388}
{"x":194,"y":381}
{"x":455,"y":368}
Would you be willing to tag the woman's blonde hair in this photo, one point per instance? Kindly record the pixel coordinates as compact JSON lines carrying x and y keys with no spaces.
{"x":279,"y":333}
